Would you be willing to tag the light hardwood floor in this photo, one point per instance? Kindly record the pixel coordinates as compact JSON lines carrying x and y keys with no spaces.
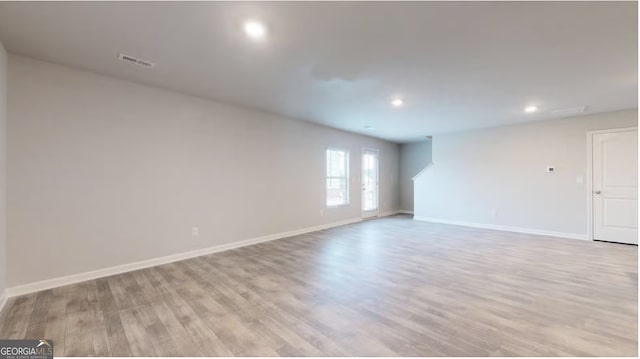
{"x":385,"y":287}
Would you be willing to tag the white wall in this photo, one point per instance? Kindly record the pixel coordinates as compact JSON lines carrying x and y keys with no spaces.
{"x":3,"y":170}
{"x":414,"y":157}
{"x":104,"y":172}
{"x":498,"y":176}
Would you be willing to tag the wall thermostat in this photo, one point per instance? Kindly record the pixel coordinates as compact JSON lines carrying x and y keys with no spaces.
{"x":551,"y":169}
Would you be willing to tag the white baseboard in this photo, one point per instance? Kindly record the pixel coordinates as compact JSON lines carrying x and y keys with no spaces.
{"x":394,"y":212}
{"x":105,"y":272}
{"x":386,"y":214}
{"x":503,"y":228}
{"x":3,"y":299}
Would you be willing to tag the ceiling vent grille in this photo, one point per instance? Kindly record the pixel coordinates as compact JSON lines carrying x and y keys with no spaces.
{"x":136,"y":61}
{"x":569,"y":111}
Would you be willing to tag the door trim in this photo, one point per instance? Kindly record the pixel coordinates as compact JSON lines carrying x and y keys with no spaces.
{"x":376,"y":212}
{"x":589,"y":178}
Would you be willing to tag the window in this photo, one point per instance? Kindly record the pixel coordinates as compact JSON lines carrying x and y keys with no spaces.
{"x":337,"y":177}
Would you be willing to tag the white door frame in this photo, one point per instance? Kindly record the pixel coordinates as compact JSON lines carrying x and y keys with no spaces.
{"x":376,"y":212}
{"x":590,"y":135}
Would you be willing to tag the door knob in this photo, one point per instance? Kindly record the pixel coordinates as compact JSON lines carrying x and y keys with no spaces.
{"x":597,"y":192}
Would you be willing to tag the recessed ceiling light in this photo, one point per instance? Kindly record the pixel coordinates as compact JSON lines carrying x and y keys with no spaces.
{"x":255,"y":30}
{"x":531,"y":109}
{"x":397,"y":102}
{"x":369,"y":127}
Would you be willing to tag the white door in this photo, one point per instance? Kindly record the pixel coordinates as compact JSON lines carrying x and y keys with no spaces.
{"x":615,"y":186}
{"x":369,"y":183}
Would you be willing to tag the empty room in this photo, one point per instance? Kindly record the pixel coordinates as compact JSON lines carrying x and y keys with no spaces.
{"x":312,"y":179}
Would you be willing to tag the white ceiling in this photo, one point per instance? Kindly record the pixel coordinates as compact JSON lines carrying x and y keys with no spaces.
{"x":457,"y":65}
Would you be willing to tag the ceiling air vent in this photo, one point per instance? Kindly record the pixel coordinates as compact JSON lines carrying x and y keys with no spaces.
{"x":136,"y":61}
{"x":569,"y":111}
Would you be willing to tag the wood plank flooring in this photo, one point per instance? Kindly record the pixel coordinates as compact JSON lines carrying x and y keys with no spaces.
{"x":384,"y":287}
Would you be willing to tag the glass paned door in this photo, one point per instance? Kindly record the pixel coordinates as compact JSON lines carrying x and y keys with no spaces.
{"x":369,"y":183}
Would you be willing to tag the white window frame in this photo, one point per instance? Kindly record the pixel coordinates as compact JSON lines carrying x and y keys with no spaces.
{"x":347,"y":178}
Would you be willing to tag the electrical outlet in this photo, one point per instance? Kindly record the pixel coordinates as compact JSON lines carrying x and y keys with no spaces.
{"x":195,"y":231}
